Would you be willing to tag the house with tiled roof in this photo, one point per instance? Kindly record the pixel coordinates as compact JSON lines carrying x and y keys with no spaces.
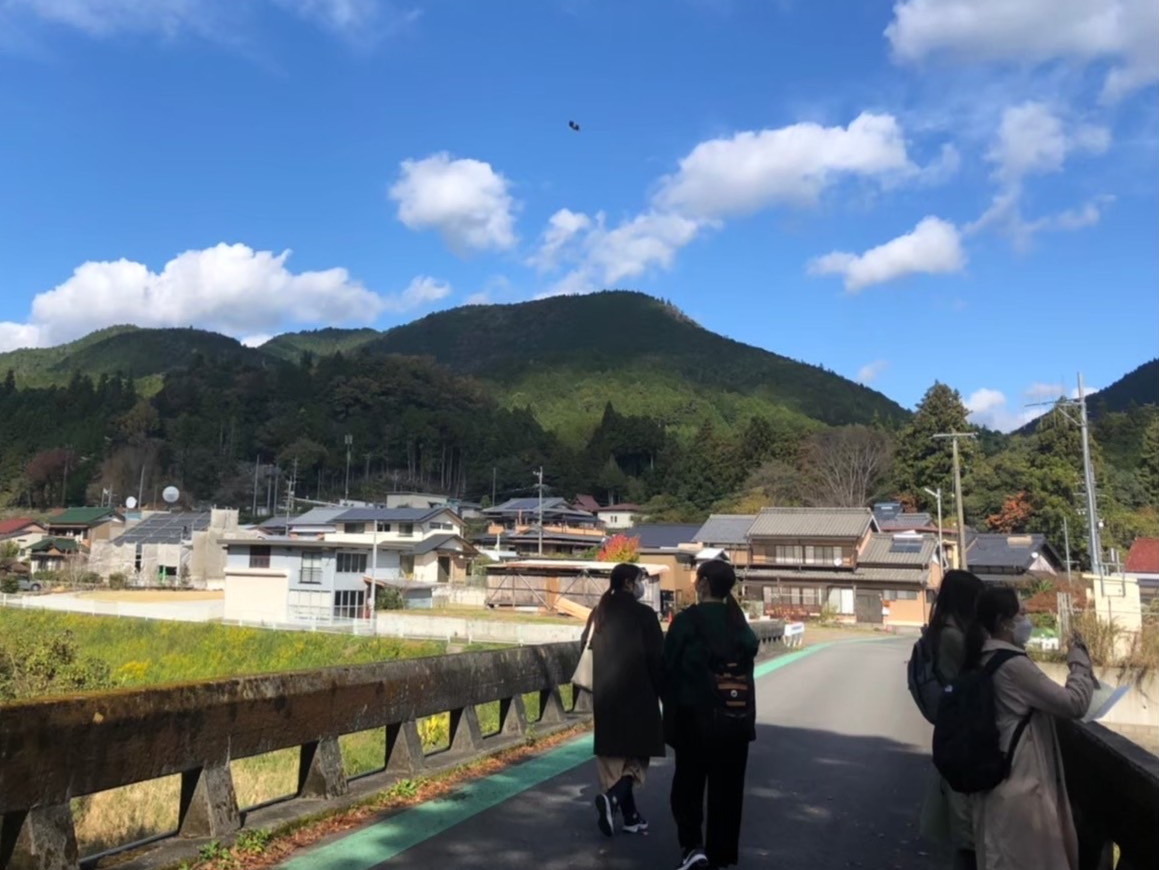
{"x":86,"y":524}
{"x":804,"y":560}
{"x":728,"y":533}
{"x":53,"y":554}
{"x":566,"y":529}
{"x":1011,"y":559}
{"x":1143,"y":565}
{"x":21,"y":531}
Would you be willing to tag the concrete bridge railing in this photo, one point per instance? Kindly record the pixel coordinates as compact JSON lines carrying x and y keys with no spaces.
{"x":1114,"y":790}
{"x":53,"y":751}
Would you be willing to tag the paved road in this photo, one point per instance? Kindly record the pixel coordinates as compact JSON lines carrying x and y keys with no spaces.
{"x":834,"y":781}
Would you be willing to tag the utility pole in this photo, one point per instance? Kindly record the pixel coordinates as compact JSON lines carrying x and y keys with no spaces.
{"x":494,"y":479}
{"x":1066,"y":540}
{"x":1092,"y":508}
{"x":954,"y":436}
{"x":1089,"y":480}
{"x":937,"y":494}
{"x":349,"y":444}
{"x":257,"y":469}
{"x":539,"y":486}
{"x":366,"y":475}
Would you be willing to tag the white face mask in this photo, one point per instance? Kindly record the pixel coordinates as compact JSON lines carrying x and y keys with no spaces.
{"x":1022,"y":631}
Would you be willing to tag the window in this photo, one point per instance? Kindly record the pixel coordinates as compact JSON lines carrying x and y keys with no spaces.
{"x":899,"y":595}
{"x":348,"y":603}
{"x":446,"y":527}
{"x":311,"y":572}
{"x":406,"y":530}
{"x":788,"y":555}
{"x":259,"y":557}
{"x":351,"y":563}
{"x":354,"y":528}
{"x":383,"y":527}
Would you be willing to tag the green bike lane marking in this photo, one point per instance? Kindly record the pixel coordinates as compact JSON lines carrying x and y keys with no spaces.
{"x":382,"y":841}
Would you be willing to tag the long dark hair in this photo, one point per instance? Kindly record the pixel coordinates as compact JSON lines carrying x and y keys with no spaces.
{"x":721,"y":578}
{"x":996,"y":605}
{"x":621,"y":576}
{"x":957,"y":598}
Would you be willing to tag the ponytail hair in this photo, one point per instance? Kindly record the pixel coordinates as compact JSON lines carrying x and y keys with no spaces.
{"x":996,"y":605}
{"x":621,"y":576}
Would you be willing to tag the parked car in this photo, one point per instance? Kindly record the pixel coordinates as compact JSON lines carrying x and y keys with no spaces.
{"x":27,"y":585}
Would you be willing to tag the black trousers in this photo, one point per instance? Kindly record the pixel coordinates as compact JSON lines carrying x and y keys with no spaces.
{"x":719,"y":768}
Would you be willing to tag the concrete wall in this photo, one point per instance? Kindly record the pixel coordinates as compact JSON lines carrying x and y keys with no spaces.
{"x":1139,"y":708}
{"x":256,"y":595}
{"x":395,"y":624}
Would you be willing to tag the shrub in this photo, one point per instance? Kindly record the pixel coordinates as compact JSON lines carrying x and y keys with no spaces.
{"x":36,"y":666}
{"x":90,"y":578}
{"x":9,"y":585}
{"x":389,"y":598}
{"x":118,"y":581}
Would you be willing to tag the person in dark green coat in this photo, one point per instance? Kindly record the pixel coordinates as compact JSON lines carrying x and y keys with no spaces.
{"x":709,"y":633}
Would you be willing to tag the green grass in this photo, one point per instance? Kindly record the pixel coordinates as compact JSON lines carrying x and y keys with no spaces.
{"x":150,"y":652}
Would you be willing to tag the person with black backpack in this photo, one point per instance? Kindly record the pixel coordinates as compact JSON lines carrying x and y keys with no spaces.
{"x":939,"y":658}
{"x":710,"y":717}
{"x":995,"y":739}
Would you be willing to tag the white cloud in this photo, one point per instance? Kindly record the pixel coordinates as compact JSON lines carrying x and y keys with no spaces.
{"x":1039,"y":390}
{"x":215,"y":19}
{"x":17,"y":335}
{"x":870,"y":372}
{"x":421,"y":291}
{"x":480,"y":298}
{"x":934,"y":247}
{"x":562,"y":228}
{"x":1032,"y":140}
{"x":229,"y":288}
{"x":647,"y":240}
{"x":1123,"y":33}
{"x":465,"y":201}
{"x":255,"y":340}
{"x":989,"y":408}
{"x":754,"y":170}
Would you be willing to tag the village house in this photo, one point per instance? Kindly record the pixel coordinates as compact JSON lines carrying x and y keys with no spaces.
{"x":618,"y":517}
{"x":566,"y":531}
{"x":166,"y":548}
{"x":1142,"y":565}
{"x":1011,"y":559}
{"x":56,"y":555}
{"x":86,"y":524}
{"x":321,"y":566}
{"x":23,"y":532}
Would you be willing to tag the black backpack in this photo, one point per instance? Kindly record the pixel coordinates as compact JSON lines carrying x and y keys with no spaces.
{"x":967,"y":751}
{"x":922,"y":677}
{"x":733,"y":715}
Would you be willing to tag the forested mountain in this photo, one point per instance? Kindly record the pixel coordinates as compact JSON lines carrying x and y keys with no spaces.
{"x":1140,"y":387}
{"x":615,"y":394}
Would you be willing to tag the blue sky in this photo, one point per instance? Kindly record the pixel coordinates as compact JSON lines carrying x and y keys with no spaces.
{"x":962,"y":190}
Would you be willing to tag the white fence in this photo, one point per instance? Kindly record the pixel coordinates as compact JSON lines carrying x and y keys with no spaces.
{"x":176,"y":611}
{"x":395,"y":623}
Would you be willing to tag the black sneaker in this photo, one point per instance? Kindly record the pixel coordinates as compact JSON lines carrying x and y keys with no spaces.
{"x":606,"y":813}
{"x":694,"y":859}
{"x":638,"y":825}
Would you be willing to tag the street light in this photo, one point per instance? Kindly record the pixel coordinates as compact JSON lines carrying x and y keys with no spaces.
{"x":937,"y":494}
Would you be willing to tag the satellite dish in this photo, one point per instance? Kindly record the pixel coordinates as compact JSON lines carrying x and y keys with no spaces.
{"x":130,"y":503}
{"x":170,"y":494}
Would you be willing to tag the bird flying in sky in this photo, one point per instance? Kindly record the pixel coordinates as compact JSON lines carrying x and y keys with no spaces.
{"x":573,"y":125}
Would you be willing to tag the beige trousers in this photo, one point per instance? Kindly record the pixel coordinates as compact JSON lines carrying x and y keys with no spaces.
{"x":612,"y":770}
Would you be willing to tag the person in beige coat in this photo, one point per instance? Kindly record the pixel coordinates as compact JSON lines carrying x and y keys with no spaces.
{"x":1026,"y":823}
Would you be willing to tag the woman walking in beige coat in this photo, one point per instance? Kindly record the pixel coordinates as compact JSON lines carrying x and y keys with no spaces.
{"x":1025,"y":823}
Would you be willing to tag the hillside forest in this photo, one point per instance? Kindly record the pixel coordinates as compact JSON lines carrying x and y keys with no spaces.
{"x":239,"y":429}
